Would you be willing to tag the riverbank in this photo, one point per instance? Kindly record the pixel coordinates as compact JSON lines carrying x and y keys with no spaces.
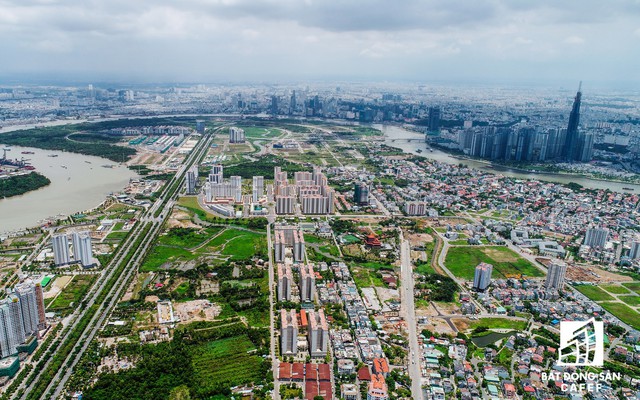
{"x":78,"y":182}
{"x":20,"y":184}
{"x":57,"y":138}
{"x":534,"y":169}
{"x":397,"y":137}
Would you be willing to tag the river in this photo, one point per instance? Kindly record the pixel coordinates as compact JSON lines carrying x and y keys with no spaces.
{"x":396,"y":136}
{"x":82,"y":185}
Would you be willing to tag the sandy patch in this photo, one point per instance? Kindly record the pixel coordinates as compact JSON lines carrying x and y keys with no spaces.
{"x":438,"y":326}
{"x":196,"y":310}
{"x":462,"y":324}
{"x":385,"y":294}
{"x":56,"y":287}
{"x":593,"y":274}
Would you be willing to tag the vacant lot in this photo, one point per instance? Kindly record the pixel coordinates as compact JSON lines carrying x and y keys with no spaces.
{"x":594,"y":293}
{"x":625,"y":313}
{"x":491,"y":323}
{"x":72,"y":294}
{"x":615,"y":289}
{"x":181,"y":245}
{"x":635,"y":286}
{"x":225,"y":361}
{"x":633,"y":301}
{"x":461,"y":261}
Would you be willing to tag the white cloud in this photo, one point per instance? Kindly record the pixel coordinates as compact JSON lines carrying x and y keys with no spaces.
{"x":519,"y":38}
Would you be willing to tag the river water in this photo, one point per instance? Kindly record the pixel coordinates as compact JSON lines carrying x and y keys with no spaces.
{"x":396,"y":136}
{"x":82,"y":185}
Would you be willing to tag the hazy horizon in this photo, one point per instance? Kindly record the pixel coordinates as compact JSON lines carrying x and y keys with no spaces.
{"x":238,"y":41}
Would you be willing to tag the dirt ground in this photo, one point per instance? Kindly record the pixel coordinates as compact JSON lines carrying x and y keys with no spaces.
{"x":418,"y":239}
{"x":56,"y":287}
{"x":593,"y":274}
{"x":385,"y":294}
{"x":196,"y":310}
{"x":180,"y":219}
{"x":461,"y":323}
{"x":437,"y":325}
{"x":426,"y":311}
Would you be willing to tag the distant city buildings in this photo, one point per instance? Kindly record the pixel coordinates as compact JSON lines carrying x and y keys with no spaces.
{"x":578,"y":146}
{"x":434,"y":119}
{"x":200,"y":126}
{"x":634,"y":252}
{"x":530,"y":143}
{"x":236,"y":135}
{"x":482,"y":276}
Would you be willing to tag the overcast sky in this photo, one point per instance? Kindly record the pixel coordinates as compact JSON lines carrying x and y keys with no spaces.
{"x":279,"y":40}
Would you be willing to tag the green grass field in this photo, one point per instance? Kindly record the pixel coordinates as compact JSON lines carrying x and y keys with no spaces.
{"x":188,"y":238}
{"x":615,"y":289}
{"x":625,"y":313}
{"x":461,"y":261}
{"x":314,"y":239}
{"x":117,"y":235}
{"x":191,"y":203}
{"x":163,"y":254}
{"x":594,"y":293}
{"x":256,"y":132}
{"x":635,"y":286}
{"x":498,"y":323}
{"x":225,"y":361}
{"x":230,"y":243}
{"x":364,"y":277}
{"x":72,"y":293}
{"x":238,"y":244}
{"x":425,"y":269}
{"x":633,"y":301}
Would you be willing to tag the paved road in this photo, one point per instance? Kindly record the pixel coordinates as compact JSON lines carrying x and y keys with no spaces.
{"x":272,"y":327}
{"x":409,"y":314}
{"x":98,"y":319}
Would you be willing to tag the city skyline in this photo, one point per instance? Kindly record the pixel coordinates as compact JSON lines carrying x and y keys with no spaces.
{"x":541,"y":43}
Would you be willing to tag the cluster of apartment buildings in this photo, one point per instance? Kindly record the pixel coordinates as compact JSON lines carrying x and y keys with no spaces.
{"x":289,"y":256}
{"x":310,"y":190}
{"x":22,"y":316}
{"x":236,"y":135}
{"x":82,"y":252}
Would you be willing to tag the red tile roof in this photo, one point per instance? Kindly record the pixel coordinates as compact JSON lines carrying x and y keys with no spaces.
{"x":311,"y":372}
{"x":364,"y":374}
{"x":324,"y":372}
{"x":284,"y":371}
